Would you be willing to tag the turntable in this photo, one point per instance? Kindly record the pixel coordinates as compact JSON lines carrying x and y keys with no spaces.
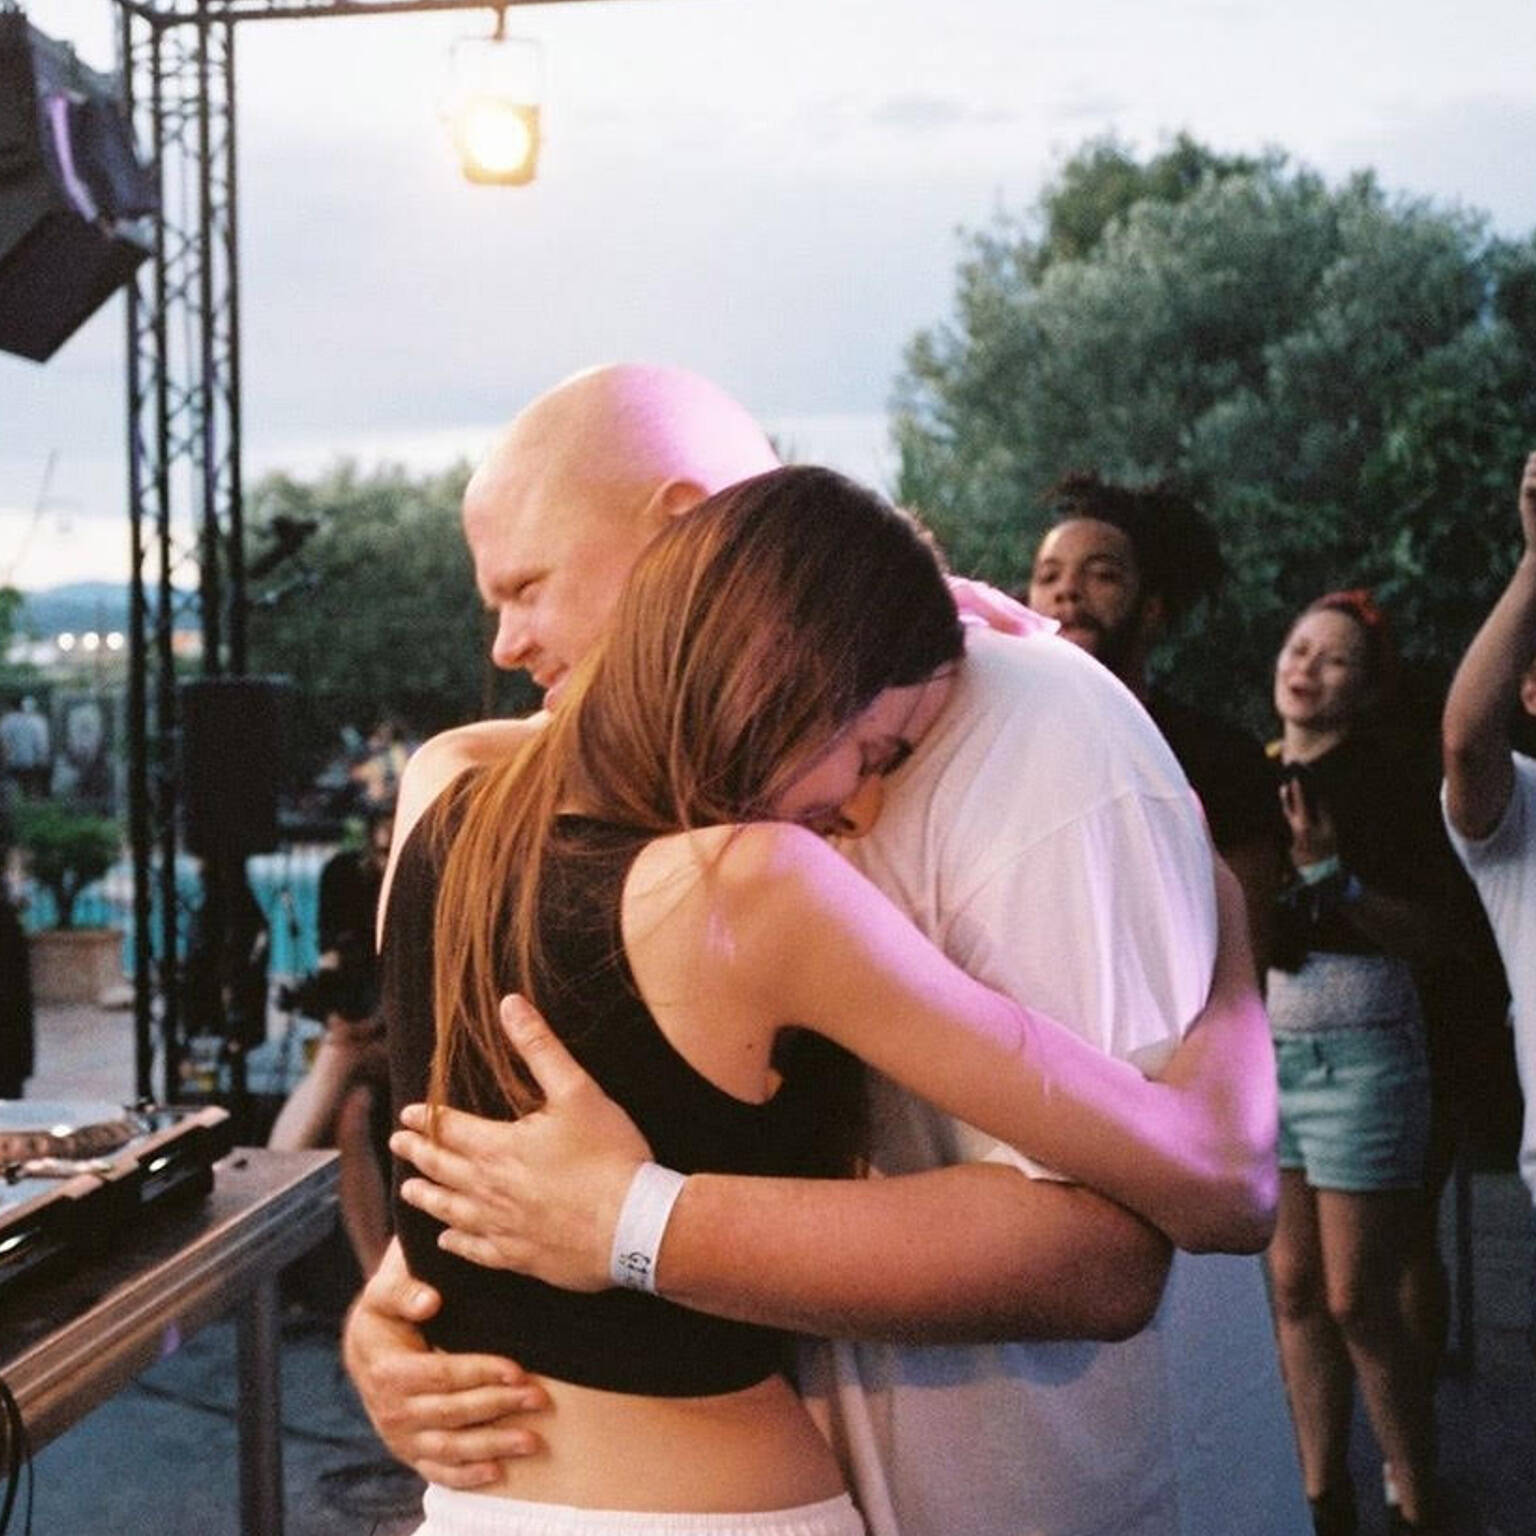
{"x":77,"y":1176}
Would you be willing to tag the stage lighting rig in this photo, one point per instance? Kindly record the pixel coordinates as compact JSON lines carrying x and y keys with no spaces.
{"x":492,"y":108}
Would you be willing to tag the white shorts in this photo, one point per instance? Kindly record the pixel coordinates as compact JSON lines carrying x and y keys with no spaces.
{"x":450,"y":1512}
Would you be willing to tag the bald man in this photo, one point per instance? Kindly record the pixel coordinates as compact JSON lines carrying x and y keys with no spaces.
{"x":1070,"y":869}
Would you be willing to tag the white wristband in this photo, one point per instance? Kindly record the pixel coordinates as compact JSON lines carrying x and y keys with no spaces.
{"x":642,"y":1221}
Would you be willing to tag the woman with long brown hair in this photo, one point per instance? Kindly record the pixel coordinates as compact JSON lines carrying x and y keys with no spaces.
{"x":652,"y":871}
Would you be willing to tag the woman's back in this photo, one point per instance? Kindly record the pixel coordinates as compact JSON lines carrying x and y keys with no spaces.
{"x":630,"y":1367}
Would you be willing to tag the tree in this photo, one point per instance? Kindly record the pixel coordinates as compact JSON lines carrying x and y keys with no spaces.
{"x":1346,"y":381}
{"x":67,"y":849}
{"x":11,"y":604}
{"x":375,"y":614}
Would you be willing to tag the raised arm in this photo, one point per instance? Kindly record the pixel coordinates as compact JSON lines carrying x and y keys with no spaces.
{"x":1479,"y":775}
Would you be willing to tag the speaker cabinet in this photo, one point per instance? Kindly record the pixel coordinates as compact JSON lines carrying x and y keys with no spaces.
{"x":74,"y":201}
{"x":232,"y":759}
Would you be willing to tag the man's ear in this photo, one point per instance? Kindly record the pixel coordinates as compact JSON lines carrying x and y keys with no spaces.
{"x":673,"y":498}
{"x":1153,"y":620}
{"x":1528,"y":689}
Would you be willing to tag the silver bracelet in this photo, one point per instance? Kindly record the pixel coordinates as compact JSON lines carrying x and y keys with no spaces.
{"x":642,"y":1222}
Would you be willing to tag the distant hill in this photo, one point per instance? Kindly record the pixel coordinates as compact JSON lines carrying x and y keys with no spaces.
{"x":82,"y":605}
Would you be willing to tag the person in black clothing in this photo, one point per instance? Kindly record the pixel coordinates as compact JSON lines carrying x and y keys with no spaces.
{"x":1119,"y":568}
{"x":343,"y":1101}
{"x":16,"y":1023}
{"x":1366,"y":905}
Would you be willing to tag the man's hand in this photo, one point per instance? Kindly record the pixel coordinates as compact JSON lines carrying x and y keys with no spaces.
{"x":453,"y":1418}
{"x":980,"y":604}
{"x":540,"y":1195}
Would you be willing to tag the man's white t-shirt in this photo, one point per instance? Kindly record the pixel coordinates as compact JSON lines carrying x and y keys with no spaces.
{"x":1503,"y":867}
{"x":1044,"y":836}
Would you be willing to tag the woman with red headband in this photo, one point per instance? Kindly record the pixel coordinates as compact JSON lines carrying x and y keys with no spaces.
{"x":1350,"y":1049}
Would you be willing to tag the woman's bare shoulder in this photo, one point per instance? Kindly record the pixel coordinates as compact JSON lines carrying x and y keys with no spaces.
{"x":437,"y":762}
{"x":738,"y":857}
{"x":747,"y":880}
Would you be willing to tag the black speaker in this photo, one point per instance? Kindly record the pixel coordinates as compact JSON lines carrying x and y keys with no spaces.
{"x":74,"y":200}
{"x":232,"y":757}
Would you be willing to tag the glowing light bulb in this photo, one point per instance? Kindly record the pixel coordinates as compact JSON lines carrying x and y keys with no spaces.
{"x":498,"y":140}
{"x":492,"y":108}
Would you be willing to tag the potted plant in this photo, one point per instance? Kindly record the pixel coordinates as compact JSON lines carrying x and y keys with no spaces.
{"x":67,"y":849}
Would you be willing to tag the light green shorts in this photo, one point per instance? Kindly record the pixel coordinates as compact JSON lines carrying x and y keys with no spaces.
{"x":1354,"y":1107}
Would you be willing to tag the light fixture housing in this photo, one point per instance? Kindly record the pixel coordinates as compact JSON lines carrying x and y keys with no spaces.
{"x":492,"y":108}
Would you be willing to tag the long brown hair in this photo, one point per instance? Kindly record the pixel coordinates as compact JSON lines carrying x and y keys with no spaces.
{"x":751,"y":631}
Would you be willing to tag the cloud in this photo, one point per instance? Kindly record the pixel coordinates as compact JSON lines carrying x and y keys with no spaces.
{"x":1474,"y":152}
{"x":1098,"y":106}
{"x":919,"y":112}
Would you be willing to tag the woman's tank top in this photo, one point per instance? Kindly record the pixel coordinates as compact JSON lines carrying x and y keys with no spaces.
{"x":618,"y":1340}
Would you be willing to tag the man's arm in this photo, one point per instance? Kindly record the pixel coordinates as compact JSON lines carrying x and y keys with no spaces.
{"x":971,"y":1252}
{"x":1479,"y":776}
{"x":964,"y":1254}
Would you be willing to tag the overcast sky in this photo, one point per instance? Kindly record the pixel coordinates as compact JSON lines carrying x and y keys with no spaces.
{"x":764,"y":190}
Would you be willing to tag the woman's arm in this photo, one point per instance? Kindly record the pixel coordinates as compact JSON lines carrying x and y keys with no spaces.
{"x":810,"y":942}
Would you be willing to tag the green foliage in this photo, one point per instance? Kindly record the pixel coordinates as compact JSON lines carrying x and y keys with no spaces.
{"x":376,"y":615}
{"x":11,"y":604}
{"x":1346,"y":381}
{"x":1103,"y":181}
{"x":66,"y":850}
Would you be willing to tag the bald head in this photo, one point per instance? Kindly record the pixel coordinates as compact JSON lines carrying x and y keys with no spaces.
{"x":578,"y":484}
{"x":627,"y":428}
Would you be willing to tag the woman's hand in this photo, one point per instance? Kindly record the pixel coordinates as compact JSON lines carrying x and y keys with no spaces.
{"x":1224,"y":1074}
{"x":540,"y":1195}
{"x":980,"y":604}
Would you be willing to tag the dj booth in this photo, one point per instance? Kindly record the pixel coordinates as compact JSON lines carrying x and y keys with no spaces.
{"x":123,"y":1270}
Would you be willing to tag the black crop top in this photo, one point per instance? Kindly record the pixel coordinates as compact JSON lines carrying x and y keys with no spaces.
{"x":618,"y":1340}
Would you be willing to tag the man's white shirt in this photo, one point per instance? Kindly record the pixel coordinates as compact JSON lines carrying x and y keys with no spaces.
{"x":1045,"y":838}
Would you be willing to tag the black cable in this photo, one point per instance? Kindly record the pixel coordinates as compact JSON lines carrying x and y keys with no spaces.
{"x":18,"y":1460}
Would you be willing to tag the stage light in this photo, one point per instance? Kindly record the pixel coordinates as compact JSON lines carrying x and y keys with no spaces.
{"x":497,"y":141}
{"x":492,"y":108}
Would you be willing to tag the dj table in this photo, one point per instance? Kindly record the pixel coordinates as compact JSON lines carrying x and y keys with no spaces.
{"x":68,"y":1345}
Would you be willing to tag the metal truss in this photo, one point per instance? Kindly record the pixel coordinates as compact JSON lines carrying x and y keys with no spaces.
{"x":177,"y":61}
{"x":184,"y":484}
